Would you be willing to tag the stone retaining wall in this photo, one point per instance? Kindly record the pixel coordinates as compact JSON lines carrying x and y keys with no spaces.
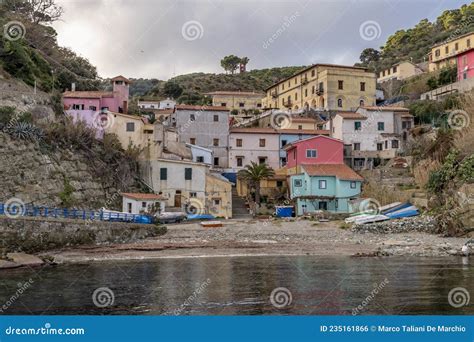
{"x":39,"y":234}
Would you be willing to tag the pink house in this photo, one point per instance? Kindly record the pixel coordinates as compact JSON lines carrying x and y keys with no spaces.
{"x":465,"y":64}
{"x":93,"y":106}
{"x":315,"y":150}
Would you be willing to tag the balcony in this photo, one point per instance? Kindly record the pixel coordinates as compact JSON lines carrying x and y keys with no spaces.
{"x":304,"y":81}
{"x":287,"y":103}
{"x":275,"y":95}
{"x":320,"y":91}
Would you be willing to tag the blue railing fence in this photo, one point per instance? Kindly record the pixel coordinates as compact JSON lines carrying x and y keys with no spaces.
{"x":29,"y":210}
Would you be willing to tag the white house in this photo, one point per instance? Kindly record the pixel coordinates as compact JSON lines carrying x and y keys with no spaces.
{"x":371,"y":134}
{"x":201,"y":154}
{"x":137,"y":203}
{"x":167,"y":104}
{"x":178,"y":181}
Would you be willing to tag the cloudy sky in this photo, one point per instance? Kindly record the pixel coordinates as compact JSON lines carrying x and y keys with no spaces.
{"x":163,"y":38}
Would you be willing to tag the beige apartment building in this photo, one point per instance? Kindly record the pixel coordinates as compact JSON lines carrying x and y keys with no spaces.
{"x":237,"y":100}
{"x":324,"y":86}
{"x":399,"y":71}
{"x":444,"y":54}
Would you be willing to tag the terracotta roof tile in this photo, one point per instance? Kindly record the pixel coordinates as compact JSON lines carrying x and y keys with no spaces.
{"x":352,"y":116}
{"x":244,"y":93}
{"x":140,"y":196}
{"x":341,"y":171}
{"x":387,"y":108}
{"x":88,"y":94}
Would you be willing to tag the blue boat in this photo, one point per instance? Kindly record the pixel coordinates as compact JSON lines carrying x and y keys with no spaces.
{"x":405,"y":212}
{"x":201,"y":217}
{"x":396,"y":208}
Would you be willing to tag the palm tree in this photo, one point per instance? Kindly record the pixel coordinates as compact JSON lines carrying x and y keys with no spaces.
{"x":253,"y":174}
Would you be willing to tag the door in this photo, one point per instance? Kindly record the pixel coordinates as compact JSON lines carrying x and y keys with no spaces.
{"x":177,"y":199}
{"x":323,"y":205}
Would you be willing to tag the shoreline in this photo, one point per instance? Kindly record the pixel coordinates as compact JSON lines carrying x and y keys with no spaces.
{"x":254,"y":238}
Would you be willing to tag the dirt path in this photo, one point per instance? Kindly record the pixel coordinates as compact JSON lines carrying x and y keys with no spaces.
{"x":253,"y":237}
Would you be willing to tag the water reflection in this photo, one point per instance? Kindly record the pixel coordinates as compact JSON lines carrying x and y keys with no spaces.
{"x":242,"y":286}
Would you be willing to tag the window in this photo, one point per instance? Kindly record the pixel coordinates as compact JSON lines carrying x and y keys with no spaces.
{"x":289,"y":84}
{"x":283,"y":86}
{"x":143,"y":204}
{"x":388,"y":71}
{"x":357,"y":125}
{"x":353,"y":185}
{"x":118,"y":82}
{"x":394,"y":143}
{"x":340,"y":85}
{"x":262,"y":160}
{"x":296,"y":96}
{"x":300,"y":126}
{"x":129,"y":208}
{"x":216,"y":201}
{"x":313,"y":72}
{"x":468,"y":43}
{"x":379,"y":147}
{"x":240,"y":161}
{"x":306,"y":92}
{"x":394,"y":69}
{"x":296,"y":81}
{"x":94,"y":108}
{"x":241,"y":104}
{"x":238,"y":143}
{"x":262,"y":142}
{"x":279,"y":184}
{"x":188,"y":173}
{"x":361,"y":103}
{"x":215,"y":142}
{"x":362,"y":86}
{"x":321,"y":87}
{"x":130,"y":127}
{"x":163,"y":173}
{"x":216,"y":161}
{"x":456,"y":46}
{"x":78,"y":106}
{"x":384,"y":72}
{"x":192,"y":117}
{"x":437,"y":53}
{"x":192,"y":141}
{"x":259,"y":105}
{"x":294,"y":154}
{"x":386,"y":144}
{"x":216,"y":118}
{"x":311,"y":154}
{"x":381,"y":126}
{"x":193,"y":194}
{"x":464,"y":75}
{"x":339,"y":103}
{"x":298,"y":183}
{"x":200,"y":159}
{"x":406,"y":124}
{"x":323,"y":184}
{"x":446,"y":49}
{"x":283,"y":161}
{"x":313,"y":90}
{"x":356,"y":146}
{"x":223,"y":104}
{"x":283,"y":143}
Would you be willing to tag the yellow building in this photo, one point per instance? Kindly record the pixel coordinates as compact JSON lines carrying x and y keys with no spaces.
{"x":270,"y":187}
{"x":444,"y":54}
{"x":237,"y":100}
{"x":218,"y":195}
{"x":399,"y":71}
{"x":324,"y":86}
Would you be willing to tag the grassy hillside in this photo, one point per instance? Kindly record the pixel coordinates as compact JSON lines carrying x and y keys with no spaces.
{"x":193,"y":86}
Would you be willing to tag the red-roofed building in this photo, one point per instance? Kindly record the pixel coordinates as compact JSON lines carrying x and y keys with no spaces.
{"x":318,"y":177}
{"x":138,"y":203}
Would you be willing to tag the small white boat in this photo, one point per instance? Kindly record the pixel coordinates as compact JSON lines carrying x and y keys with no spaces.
{"x":371,"y":219}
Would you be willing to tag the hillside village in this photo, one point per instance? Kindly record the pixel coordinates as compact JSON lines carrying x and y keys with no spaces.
{"x":303,"y":142}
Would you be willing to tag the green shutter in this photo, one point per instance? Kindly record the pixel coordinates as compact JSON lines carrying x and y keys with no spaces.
{"x":188,"y":173}
{"x":163,"y":173}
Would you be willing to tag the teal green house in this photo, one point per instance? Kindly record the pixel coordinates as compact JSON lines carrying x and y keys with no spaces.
{"x":324,"y":187}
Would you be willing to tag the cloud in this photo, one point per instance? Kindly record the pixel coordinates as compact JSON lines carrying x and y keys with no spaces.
{"x":144,"y":38}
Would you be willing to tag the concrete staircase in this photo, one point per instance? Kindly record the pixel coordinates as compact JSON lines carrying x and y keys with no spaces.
{"x":239,"y":210}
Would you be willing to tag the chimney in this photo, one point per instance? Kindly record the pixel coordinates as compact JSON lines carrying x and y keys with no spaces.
{"x":73,"y":86}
